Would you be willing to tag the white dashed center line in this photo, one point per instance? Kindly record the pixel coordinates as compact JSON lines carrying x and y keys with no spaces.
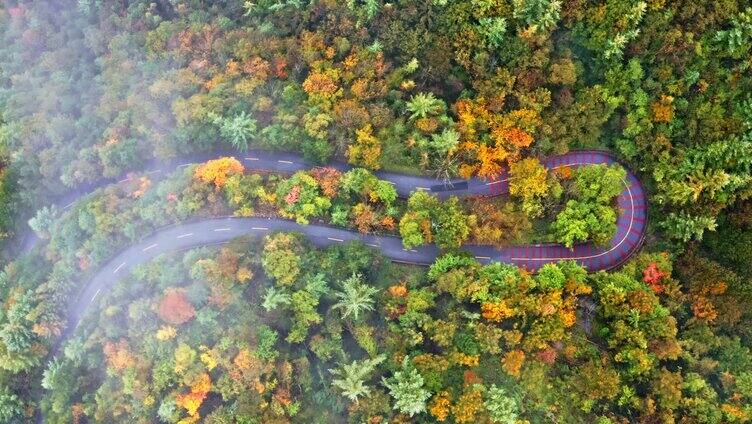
{"x":286,"y":161}
{"x":118,"y":268}
{"x":149,"y":247}
{"x":334,"y":239}
{"x":222,"y":229}
{"x":95,"y":295}
{"x":259,"y":228}
{"x":184,"y":235}
{"x":251,"y":158}
{"x":185,"y":164}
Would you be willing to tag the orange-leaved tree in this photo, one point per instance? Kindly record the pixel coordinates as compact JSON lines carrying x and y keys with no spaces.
{"x":218,"y":170}
{"x":175,"y":307}
{"x":192,"y":401}
{"x":488,"y":140}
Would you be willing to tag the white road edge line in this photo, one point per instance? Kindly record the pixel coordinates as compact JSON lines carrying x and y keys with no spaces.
{"x":626,"y":236}
{"x":118,"y":268}
{"x":423,"y":188}
{"x":185,"y":164}
{"x":157,"y":171}
{"x":184,"y":235}
{"x":124,"y":180}
{"x":222,"y":229}
{"x":483,"y":257}
{"x":149,"y":247}
{"x":69,"y":204}
{"x":335,"y":239}
{"x":372,"y":245}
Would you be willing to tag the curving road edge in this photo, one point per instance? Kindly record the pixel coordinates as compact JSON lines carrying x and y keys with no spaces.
{"x":631,"y":224}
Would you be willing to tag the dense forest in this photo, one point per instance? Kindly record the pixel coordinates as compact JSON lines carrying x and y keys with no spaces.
{"x":274,"y":330}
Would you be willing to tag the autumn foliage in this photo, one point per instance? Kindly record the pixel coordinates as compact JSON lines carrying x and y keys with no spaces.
{"x":118,"y":355}
{"x":652,"y":276}
{"x":192,"y":400}
{"x":490,"y":141}
{"x":217,"y":171}
{"x":175,"y":308}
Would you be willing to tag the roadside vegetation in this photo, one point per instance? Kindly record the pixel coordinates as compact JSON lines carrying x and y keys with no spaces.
{"x":239,"y":334}
{"x":275,"y":331}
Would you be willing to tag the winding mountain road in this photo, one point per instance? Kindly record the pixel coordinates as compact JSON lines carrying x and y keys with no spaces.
{"x":631,"y":224}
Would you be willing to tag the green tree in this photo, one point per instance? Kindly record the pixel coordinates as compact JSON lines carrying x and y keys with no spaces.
{"x":238,"y":130}
{"x":599,"y":183}
{"x":683,"y":226}
{"x":493,"y":30}
{"x":451,"y":224}
{"x":427,"y":219}
{"x":303,"y":305}
{"x":406,"y":387}
{"x":242,"y":191}
{"x":423,"y":105}
{"x":352,"y":377}
{"x":355,"y":298}
{"x":580,"y":221}
{"x":274,"y":298}
{"x":551,"y":277}
{"x":44,"y":220}
{"x":737,"y":39}
{"x":501,"y":408}
{"x":300,"y":197}
{"x":539,"y":15}
{"x":440,"y":144}
{"x":281,"y":257}
{"x":416,"y":223}
{"x":11,"y":407}
{"x":412,"y":229}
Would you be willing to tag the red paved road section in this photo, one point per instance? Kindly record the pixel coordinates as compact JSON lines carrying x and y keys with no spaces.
{"x":631,"y":222}
{"x":630,"y":225}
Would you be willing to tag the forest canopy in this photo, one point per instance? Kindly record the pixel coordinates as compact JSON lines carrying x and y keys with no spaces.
{"x":98,"y":95}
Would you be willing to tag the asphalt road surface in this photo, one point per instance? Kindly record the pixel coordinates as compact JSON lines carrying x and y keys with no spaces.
{"x":631,"y":224}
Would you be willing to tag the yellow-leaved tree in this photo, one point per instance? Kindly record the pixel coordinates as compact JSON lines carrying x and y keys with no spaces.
{"x":365,"y":151}
{"x":217,"y":171}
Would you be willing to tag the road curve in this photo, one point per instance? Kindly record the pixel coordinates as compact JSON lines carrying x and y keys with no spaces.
{"x":631,"y":221}
{"x":631,"y":224}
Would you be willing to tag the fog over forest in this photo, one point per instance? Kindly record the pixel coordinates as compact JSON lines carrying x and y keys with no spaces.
{"x":370,"y":211}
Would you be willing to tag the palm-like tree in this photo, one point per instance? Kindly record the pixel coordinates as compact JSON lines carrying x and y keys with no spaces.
{"x":423,"y":105}
{"x":273,"y":298}
{"x":355,"y":298}
{"x":238,"y":130}
{"x":352,"y":377}
{"x":445,"y":141}
{"x":407,"y":388}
